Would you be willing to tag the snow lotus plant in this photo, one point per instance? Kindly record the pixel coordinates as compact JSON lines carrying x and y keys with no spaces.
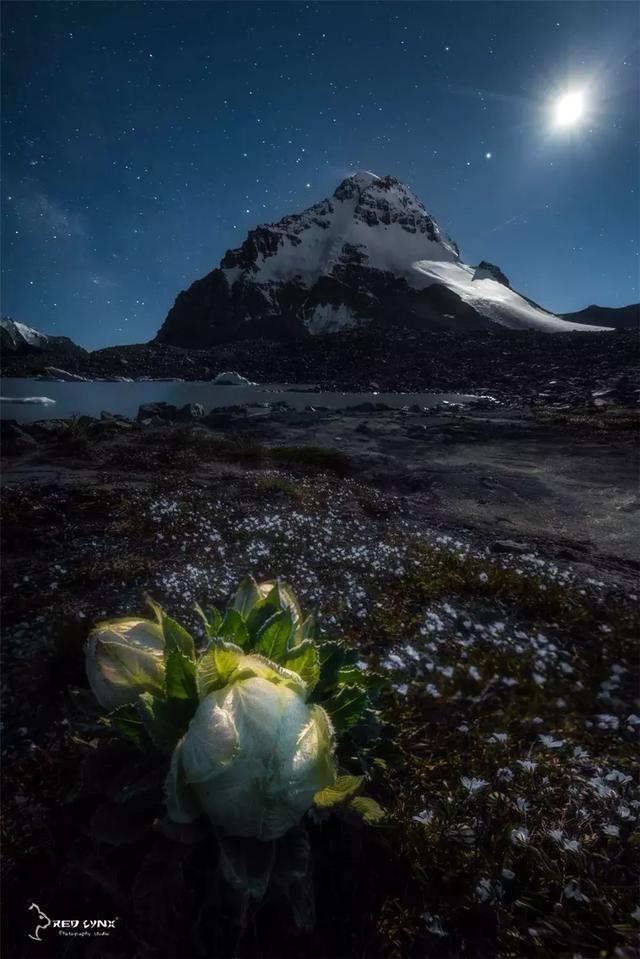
{"x":247,"y":725}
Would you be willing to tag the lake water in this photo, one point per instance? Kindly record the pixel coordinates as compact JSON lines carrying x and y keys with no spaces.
{"x":25,"y":399}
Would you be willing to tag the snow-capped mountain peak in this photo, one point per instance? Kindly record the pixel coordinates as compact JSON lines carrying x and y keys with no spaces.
{"x":370,"y":252}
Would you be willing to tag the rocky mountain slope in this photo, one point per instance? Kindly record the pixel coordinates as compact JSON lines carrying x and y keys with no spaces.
{"x":17,"y":339}
{"x":369,"y":253}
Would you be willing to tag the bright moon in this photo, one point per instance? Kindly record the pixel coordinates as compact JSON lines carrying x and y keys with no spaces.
{"x":569,"y":109}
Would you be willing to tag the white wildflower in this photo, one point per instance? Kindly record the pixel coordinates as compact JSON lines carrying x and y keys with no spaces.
{"x":473,"y":785}
{"x":571,"y":845}
{"x":550,"y":742}
{"x":615,"y":776}
{"x":505,"y":775}
{"x":498,"y":738}
{"x":425,"y":817}
{"x":572,"y":891}
{"x":527,"y":765}
{"x":483,"y":890}
{"x":520,"y":836}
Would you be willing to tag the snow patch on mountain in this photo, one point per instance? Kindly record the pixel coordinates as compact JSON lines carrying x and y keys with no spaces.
{"x":492,"y":299}
{"x":377,"y":219}
{"x":19,"y":333}
{"x":329,"y":318}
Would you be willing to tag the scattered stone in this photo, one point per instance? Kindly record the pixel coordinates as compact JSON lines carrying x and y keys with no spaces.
{"x":189,"y":412}
{"x":509,"y":546}
{"x":14,"y":439}
{"x":162,"y":411}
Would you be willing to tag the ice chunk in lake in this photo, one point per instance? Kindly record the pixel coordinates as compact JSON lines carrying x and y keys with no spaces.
{"x":232,"y":379}
{"x":42,"y":400}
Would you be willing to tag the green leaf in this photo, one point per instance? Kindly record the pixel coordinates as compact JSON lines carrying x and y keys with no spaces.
{"x":348,"y":676}
{"x":155,"y":608}
{"x":343,"y":788}
{"x":127,"y":723}
{"x":333,"y":657}
{"x":211,"y":619}
{"x":216,"y":666}
{"x":246,"y":864}
{"x":304,"y":660}
{"x":258,"y":616}
{"x":283,"y":597}
{"x":165,"y":721}
{"x":180,"y":676}
{"x":246,"y":597}
{"x":181,"y":801}
{"x":273,"y":638}
{"x":293,"y":875}
{"x":307,"y":629}
{"x":233,"y":628}
{"x":368,"y":809}
{"x":177,"y":637}
{"x":353,"y":675}
{"x":256,"y":665}
{"x":140,"y":777}
{"x":345,"y":707}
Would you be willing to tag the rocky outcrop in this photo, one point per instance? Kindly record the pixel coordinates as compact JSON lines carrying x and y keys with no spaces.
{"x":489,"y":271}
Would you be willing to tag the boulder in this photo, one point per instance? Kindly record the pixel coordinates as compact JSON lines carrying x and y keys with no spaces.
{"x":232,"y":379}
{"x":13,"y":439}
{"x":190,"y":412}
{"x":509,"y":546}
{"x":157,"y":411}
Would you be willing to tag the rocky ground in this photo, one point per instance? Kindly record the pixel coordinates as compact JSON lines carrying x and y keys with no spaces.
{"x":521,"y":366}
{"x":485,"y":561}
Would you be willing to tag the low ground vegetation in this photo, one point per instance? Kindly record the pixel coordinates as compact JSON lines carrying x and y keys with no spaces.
{"x":506,"y":756}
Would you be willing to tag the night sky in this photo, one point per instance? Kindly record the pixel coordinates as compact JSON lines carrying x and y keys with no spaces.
{"x":142,"y":140}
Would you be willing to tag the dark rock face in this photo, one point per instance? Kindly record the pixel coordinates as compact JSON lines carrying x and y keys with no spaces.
{"x":486,"y":270}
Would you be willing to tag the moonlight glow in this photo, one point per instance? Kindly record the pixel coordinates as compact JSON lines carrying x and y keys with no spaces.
{"x":569,"y":109}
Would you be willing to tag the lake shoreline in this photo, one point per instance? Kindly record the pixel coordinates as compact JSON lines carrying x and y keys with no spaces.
{"x":517,"y":364}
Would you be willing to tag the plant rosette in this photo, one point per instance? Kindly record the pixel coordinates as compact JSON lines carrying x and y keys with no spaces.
{"x":246,"y":729}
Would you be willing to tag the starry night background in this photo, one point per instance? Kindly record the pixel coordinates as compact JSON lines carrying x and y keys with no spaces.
{"x":142,"y":140}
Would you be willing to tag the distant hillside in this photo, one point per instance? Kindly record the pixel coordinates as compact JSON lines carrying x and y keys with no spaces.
{"x":620,"y":318}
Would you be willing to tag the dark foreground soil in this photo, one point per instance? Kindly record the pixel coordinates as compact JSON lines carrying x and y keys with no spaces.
{"x":486,"y":563}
